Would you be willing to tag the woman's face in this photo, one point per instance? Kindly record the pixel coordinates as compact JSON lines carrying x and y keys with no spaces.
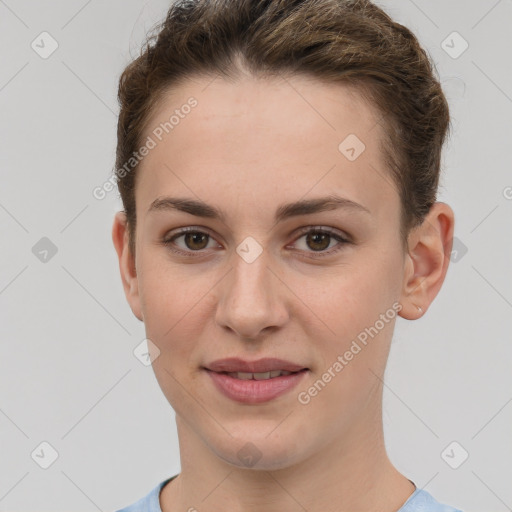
{"x":254,"y":284}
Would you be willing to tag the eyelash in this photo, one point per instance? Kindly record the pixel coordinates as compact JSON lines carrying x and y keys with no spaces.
{"x":169,"y":242}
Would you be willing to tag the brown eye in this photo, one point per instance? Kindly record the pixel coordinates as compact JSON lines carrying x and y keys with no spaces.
{"x":195,"y":240}
{"x":318,"y":241}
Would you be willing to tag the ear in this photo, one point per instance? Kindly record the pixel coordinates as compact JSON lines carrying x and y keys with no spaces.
{"x":126,"y":263}
{"x":426,"y":264}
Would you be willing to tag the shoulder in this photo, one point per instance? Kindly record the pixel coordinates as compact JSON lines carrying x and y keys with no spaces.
{"x":148,"y":503}
{"x":422,"y":501}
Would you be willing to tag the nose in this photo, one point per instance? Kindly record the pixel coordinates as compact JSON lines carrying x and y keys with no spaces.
{"x":252,"y":298}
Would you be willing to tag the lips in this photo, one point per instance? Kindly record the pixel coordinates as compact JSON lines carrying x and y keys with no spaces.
{"x":267,"y":364}
{"x":255,"y":388}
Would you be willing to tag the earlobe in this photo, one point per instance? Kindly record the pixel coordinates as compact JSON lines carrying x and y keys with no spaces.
{"x":429,"y":250}
{"x":126,"y":263}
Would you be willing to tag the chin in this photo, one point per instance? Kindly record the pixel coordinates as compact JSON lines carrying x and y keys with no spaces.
{"x":260,"y":453}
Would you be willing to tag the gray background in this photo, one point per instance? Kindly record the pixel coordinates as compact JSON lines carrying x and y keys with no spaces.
{"x":68,"y":375}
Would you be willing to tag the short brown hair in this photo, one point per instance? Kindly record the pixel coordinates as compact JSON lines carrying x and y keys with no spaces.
{"x":344,"y":41}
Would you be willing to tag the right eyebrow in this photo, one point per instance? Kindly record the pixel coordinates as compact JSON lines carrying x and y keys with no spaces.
{"x":283,"y":212}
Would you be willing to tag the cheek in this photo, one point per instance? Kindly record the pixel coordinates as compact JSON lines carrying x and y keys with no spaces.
{"x":177,"y":307}
{"x":353,"y":352}
{"x":353,"y":297}
{"x":359,"y":307}
{"x":166,"y":295}
{"x":171,"y":305}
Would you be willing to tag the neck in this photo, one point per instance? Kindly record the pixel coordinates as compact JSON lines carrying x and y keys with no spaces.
{"x":351,"y":473}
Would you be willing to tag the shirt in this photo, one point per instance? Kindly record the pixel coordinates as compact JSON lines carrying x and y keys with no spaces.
{"x":419,"y":501}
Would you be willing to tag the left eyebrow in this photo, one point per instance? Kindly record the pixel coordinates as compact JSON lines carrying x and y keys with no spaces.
{"x":283,"y":212}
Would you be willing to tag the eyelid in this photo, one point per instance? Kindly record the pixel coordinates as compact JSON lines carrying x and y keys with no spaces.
{"x":300,"y":231}
{"x":342,"y":237}
{"x":326,"y":229}
{"x":176,"y":233}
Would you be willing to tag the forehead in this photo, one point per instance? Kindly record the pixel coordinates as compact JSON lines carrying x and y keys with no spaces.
{"x":280,"y":138}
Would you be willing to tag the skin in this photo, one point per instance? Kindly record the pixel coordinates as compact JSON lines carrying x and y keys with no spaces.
{"x":276,"y":141}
